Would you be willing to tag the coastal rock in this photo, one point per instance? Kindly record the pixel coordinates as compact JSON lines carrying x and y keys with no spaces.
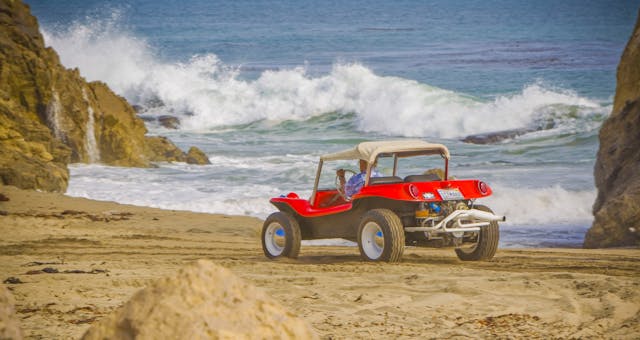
{"x":617,"y":169}
{"x":30,"y":158}
{"x":495,"y":137}
{"x":196,"y":156}
{"x":9,"y":323}
{"x":137,"y":108}
{"x":203,"y":301}
{"x":499,"y":136}
{"x":169,"y":122}
{"x":121,"y":134}
{"x":51,"y":116}
{"x":628,"y":75}
{"x":617,"y":176}
{"x":161,"y":149}
{"x":30,"y":155}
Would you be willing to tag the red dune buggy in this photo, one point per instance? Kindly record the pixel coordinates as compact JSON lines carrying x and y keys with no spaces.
{"x":389,"y":212}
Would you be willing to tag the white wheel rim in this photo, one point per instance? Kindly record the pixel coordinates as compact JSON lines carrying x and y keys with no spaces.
{"x":372,"y":240}
{"x":274,"y":239}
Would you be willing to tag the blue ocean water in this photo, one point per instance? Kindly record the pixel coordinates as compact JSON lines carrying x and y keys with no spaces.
{"x":264,"y":88}
{"x":474,"y":47}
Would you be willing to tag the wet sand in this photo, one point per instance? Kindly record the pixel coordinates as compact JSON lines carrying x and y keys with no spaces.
{"x":77,"y":260}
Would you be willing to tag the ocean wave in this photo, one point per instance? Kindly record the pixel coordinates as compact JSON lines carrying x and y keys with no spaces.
{"x":208,"y":94}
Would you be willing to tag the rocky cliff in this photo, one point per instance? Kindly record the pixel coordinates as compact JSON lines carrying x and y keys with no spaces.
{"x":50,"y":116}
{"x":617,"y":170}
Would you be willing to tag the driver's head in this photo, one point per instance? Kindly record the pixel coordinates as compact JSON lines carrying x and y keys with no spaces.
{"x":363,"y":165}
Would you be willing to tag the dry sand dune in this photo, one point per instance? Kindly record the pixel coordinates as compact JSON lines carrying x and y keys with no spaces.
{"x":78,"y":260}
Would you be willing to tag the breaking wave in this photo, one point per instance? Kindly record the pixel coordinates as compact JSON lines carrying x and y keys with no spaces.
{"x":208,"y":94}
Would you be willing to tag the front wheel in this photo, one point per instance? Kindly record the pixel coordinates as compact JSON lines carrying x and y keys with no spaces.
{"x":381,"y":236}
{"x":487,"y":242}
{"x":281,"y":236}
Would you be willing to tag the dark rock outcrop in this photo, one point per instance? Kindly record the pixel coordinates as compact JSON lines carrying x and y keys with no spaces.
{"x":169,"y":122}
{"x":51,"y":116}
{"x":202,"y":301}
{"x":617,"y":169}
{"x":495,"y":137}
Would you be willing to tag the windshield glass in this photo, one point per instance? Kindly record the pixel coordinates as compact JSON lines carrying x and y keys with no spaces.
{"x":385,"y":165}
{"x":328,"y":175}
{"x":417,"y":165}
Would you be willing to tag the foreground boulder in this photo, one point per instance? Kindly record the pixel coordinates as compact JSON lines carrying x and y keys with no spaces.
{"x":51,"y":116}
{"x":203,"y":301}
{"x":617,"y":169}
{"x":9,"y":324}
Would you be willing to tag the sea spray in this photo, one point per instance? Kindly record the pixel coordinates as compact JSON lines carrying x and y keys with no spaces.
{"x":103,"y":52}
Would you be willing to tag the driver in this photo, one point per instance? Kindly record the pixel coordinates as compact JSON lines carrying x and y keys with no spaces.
{"x":356,"y":182}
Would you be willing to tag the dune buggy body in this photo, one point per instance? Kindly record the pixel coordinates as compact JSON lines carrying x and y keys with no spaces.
{"x":388,"y":212}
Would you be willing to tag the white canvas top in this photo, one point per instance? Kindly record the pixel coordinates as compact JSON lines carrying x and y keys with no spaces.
{"x":369,"y":151}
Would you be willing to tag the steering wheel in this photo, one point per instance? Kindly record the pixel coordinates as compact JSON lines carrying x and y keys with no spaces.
{"x":340,"y":188}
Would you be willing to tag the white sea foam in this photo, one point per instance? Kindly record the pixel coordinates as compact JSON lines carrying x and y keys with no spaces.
{"x":211,"y":94}
{"x":210,"y":189}
{"x":542,"y":206}
{"x":171,"y":187}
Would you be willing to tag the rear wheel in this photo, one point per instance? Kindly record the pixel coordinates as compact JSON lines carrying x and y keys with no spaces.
{"x":381,"y":236}
{"x":486,"y":245}
{"x":281,"y":236}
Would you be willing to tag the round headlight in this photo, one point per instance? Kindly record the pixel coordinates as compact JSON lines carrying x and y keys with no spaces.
{"x":482,"y":187}
{"x":413,"y":190}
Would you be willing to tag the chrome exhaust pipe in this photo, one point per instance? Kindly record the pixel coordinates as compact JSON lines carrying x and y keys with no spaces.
{"x":484,"y":215}
{"x":457,"y":217}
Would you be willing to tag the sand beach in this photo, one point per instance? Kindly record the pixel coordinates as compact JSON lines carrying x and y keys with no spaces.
{"x":70,"y":262}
